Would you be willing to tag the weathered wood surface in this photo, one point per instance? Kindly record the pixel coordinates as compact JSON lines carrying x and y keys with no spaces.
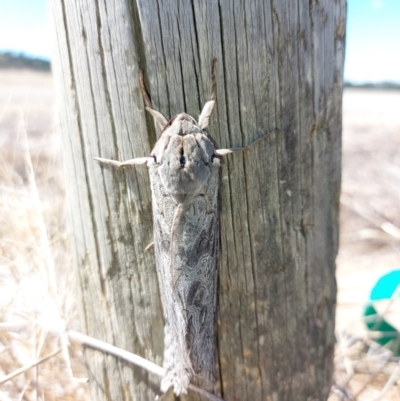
{"x":280,"y":64}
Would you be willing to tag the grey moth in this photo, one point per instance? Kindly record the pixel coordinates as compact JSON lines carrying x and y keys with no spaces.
{"x":184,"y":174}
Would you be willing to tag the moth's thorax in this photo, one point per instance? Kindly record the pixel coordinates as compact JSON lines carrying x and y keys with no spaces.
{"x":184,"y":156}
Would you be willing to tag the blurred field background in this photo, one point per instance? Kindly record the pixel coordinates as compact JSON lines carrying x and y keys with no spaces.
{"x":37,"y":297}
{"x":369,"y":240}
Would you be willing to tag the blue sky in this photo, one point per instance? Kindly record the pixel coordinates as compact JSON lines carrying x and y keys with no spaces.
{"x":23,"y":27}
{"x":372,"y":49}
{"x":373,"y":40}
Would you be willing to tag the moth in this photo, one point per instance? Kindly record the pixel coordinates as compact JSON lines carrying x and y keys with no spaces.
{"x":184,"y":169}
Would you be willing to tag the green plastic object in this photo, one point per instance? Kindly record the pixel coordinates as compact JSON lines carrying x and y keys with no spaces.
{"x":387,"y":287}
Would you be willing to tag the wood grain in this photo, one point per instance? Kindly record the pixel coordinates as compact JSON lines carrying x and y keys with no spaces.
{"x":280,"y":64}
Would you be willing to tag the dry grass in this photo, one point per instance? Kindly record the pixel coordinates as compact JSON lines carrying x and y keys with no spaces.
{"x":36,"y":274}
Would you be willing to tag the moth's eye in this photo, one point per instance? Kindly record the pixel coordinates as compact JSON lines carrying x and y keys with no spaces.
{"x":182,"y":161}
{"x":215,"y":160}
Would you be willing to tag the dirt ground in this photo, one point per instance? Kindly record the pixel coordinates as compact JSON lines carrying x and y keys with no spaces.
{"x":370,"y":201}
{"x":369,"y":239}
{"x":33,"y":241}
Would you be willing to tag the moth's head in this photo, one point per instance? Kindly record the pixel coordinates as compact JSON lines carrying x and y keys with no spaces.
{"x":182,"y":124}
{"x":184,"y":157}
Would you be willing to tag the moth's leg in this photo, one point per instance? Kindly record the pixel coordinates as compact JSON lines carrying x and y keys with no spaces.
{"x":168,"y":395}
{"x":116,"y":163}
{"x":222,"y":152}
{"x":149,"y":246}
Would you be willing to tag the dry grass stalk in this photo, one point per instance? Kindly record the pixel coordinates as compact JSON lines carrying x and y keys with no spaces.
{"x":30,"y":366}
{"x":364,"y":370}
{"x":36,"y":273}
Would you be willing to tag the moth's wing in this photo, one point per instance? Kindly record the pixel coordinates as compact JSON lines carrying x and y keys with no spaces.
{"x":187,"y":283}
{"x":196,"y":288}
{"x":194,"y":276}
{"x":176,"y":364}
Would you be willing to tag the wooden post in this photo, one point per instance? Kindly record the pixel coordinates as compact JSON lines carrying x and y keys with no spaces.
{"x":280,"y":65}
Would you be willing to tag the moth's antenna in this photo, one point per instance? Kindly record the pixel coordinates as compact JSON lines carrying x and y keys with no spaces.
{"x":161,"y":120}
{"x":213,"y":80}
{"x":145,"y":95}
{"x":205,"y":115}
